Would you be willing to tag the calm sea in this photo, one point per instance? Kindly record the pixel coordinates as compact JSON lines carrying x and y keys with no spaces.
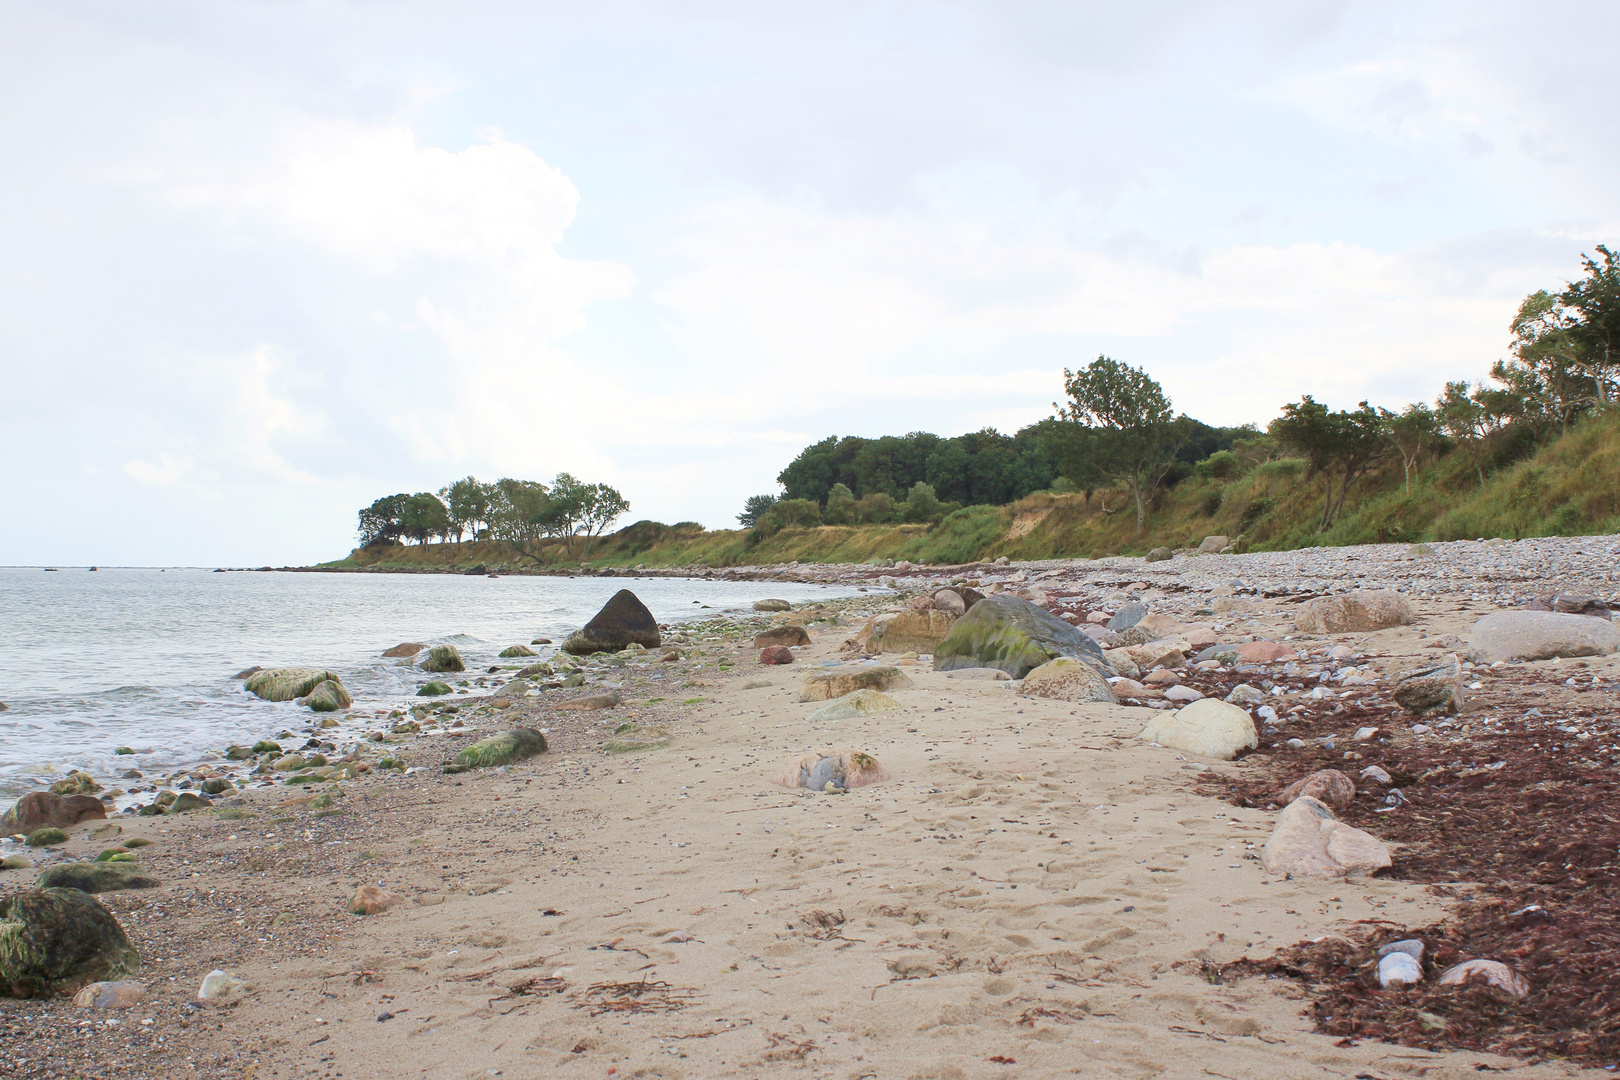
{"x":91,"y":661}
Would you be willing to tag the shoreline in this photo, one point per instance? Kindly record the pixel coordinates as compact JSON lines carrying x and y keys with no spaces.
{"x":1032,"y":879}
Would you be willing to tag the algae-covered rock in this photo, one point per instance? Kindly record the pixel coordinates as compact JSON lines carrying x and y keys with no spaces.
{"x":77,"y":782}
{"x":435,"y":689}
{"x":630,"y":738}
{"x":443,"y":658}
{"x":46,"y":837}
{"x":265,"y":746}
{"x":501,"y":749}
{"x":187,"y":800}
{"x":1013,"y":635}
{"x":238,"y":753}
{"x":1067,"y":679}
{"x":96,"y":877}
{"x":835,"y":682}
{"x":622,"y":621}
{"x":329,"y":695}
{"x":905,"y":631}
{"x":858,"y":703}
{"x":56,"y":940}
{"x":285,"y":684}
{"x":513,"y":651}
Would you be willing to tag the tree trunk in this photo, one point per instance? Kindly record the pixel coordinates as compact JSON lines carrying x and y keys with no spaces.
{"x":1141,"y":512}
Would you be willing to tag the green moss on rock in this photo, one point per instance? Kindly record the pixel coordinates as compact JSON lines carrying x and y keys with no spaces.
{"x":1013,"y":635}
{"x":265,"y":746}
{"x":285,"y":684}
{"x":443,"y":658}
{"x":46,"y":837}
{"x":501,"y":749}
{"x":96,"y":877}
{"x":514,"y":651}
{"x":329,"y":695}
{"x":435,"y":689}
{"x":56,"y":940}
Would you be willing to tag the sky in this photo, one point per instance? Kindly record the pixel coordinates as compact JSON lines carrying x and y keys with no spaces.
{"x":261,"y":263}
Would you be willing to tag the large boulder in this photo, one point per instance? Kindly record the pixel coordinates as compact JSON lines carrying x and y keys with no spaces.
{"x":1013,"y":635}
{"x":443,"y":658}
{"x":834,"y":682}
{"x":623,"y":620}
{"x":905,"y":631}
{"x":286,"y":683}
{"x":1358,"y":612}
{"x":782,"y":635}
{"x":329,"y":695}
{"x":1208,"y":727}
{"x":42,"y":809}
{"x":1308,"y":841}
{"x":501,"y":749}
{"x":1212,"y":544}
{"x":1067,"y":679}
{"x":1539,"y":635}
{"x":55,"y":941}
{"x":1438,"y":686}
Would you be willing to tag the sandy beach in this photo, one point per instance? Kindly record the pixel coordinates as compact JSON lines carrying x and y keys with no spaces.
{"x":1035,"y":892}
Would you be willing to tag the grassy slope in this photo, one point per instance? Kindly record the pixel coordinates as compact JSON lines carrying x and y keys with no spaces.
{"x":1570,"y":487}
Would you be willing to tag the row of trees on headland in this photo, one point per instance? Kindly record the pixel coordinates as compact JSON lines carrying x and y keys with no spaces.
{"x":1118,"y":430}
{"x":527,"y":514}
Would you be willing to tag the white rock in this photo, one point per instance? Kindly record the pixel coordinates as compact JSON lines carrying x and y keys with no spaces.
{"x":1494,"y":972}
{"x":1208,"y":728}
{"x":1363,"y":734}
{"x":220,"y":988}
{"x":1182,"y":693}
{"x":1399,"y":969}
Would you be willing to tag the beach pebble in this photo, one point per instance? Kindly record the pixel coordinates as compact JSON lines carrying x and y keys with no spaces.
{"x":1366,"y":733}
{"x":1341,"y":652}
{"x":1494,"y":972}
{"x":1182,"y":693}
{"x":1376,"y":774}
{"x":1438,"y":686}
{"x":1399,"y":969}
{"x":220,"y":988}
{"x":1161,"y":677}
{"x":1244,"y":694}
{"x":371,"y":900}
{"x":110,"y":995}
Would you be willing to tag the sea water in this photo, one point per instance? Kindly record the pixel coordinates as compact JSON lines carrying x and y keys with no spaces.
{"x":91,"y":661}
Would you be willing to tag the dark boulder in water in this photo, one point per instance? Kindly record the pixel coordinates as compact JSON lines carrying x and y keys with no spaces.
{"x":623,"y":620}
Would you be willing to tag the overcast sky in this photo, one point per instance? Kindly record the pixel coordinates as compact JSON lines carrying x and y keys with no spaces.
{"x":263,"y":262}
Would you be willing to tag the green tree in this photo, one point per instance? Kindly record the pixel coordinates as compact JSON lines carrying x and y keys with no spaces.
{"x":422,"y":516}
{"x":840,"y":509}
{"x":1467,"y":421}
{"x":876,"y":508}
{"x":1410,"y":432}
{"x":468,"y":503}
{"x":1594,"y":306}
{"x":921,"y":503}
{"x":755,"y":508}
{"x":380,"y":522}
{"x":801,"y":512}
{"x":1342,"y":445}
{"x":1123,"y":430}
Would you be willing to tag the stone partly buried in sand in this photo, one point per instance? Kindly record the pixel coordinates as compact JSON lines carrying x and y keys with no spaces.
{"x":1540,"y":635}
{"x":1066,"y":679}
{"x":96,"y":877}
{"x":1328,"y":785}
{"x":1208,"y":728}
{"x":442,"y":658}
{"x":905,"y":631}
{"x":1361,"y":611}
{"x":835,"y":682}
{"x":41,"y":809}
{"x":110,"y":995}
{"x":1013,"y":635}
{"x":1309,"y":841}
{"x":859,"y":703}
{"x":776,"y":654}
{"x":285,"y":684}
{"x":589,"y":703}
{"x":782,"y":635}
{"x":633,"y":738}
{"x":832,"y":770}
{"x":55,"y":941}
{"x":371,"y":900}
{"x":501,"y":749}
{"x":623,"y":620}
{"x":1425,"y":690}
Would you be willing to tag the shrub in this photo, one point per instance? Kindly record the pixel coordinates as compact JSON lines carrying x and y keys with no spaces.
{"x":874,"y":509}
{"x":840,"y":506}
{"x":801,"y":512}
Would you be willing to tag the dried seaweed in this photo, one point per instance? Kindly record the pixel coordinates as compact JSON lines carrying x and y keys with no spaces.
{"x":645,"y":996}
{"x":1517,"y":820}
